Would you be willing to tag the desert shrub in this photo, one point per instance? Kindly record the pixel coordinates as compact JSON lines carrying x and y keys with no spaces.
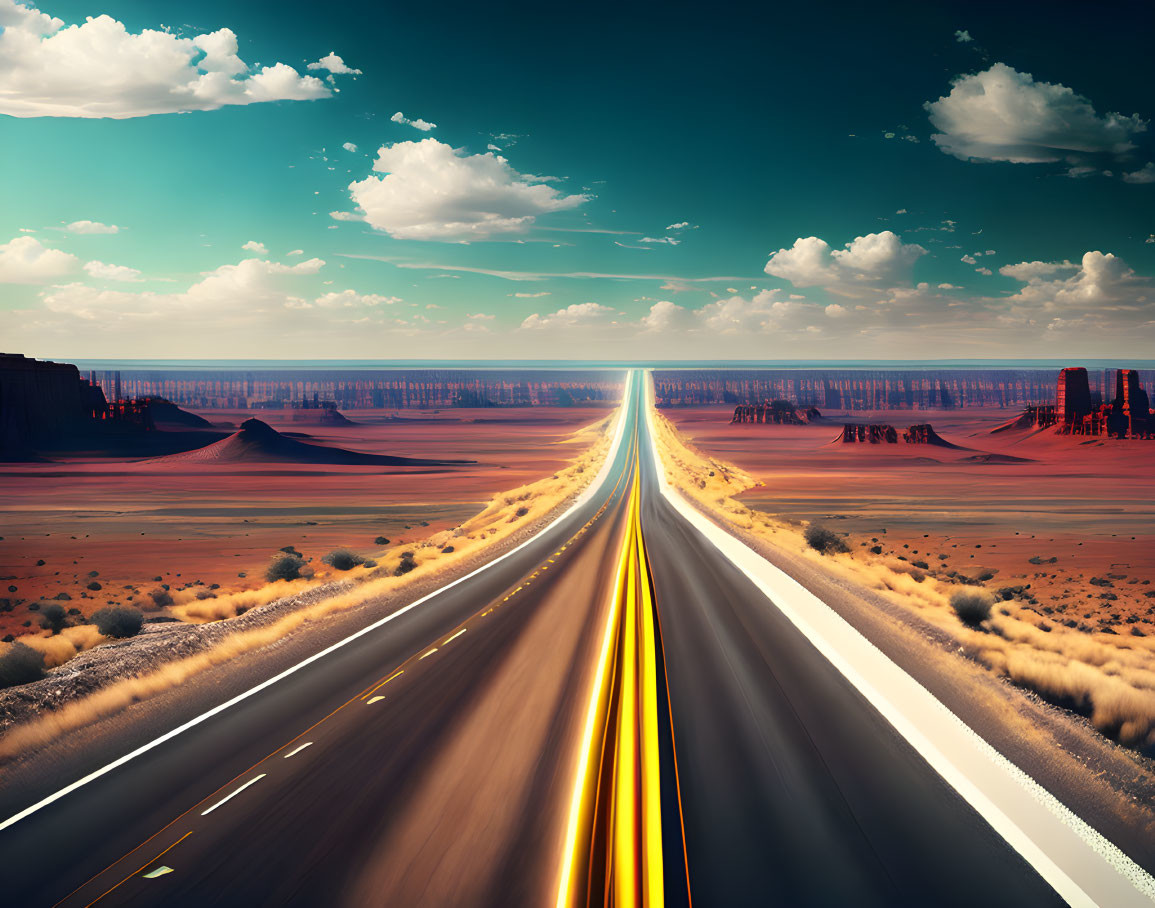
{"x":94,"y":586}
{"x":161,"y":598}
{"x":21,"y":665}
{"x":343,"y":559}
{"x":118,"y":621}
{"x":406,"y":564}
{"x":876,"y":550}
{"x":291,"y":550}
{"x":823,"y":540}
{"x":53,"y":617}
{"x":381,"y":540}
{"x":972,"y":606}
{"x":521,"y":512}
{"x":447,"y":550}
{"x":284,"y":566}
{"x":369,"y":563}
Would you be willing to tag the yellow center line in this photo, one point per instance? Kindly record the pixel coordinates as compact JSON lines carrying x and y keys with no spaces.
{"x":374,"y":688}
{"x":141,"y":869}
{"x":629,"y":772}
{"x":455,"y":636}
{"x":429,"y":653}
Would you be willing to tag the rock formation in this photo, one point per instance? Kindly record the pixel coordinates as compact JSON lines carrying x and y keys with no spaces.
{"x":258,"y":442}
{"x":1079,"y":411}
{"x":775,"y":412}
{"x":885,"y":434}
{"x":1131,"y":412}
{"x":42,"y":402}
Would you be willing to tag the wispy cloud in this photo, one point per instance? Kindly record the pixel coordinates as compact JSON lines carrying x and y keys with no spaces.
{"x":542,"y":275}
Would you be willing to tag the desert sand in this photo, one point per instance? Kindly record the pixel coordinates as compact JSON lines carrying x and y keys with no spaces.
{"x":193,"y":522}
{"x":989,"y":506}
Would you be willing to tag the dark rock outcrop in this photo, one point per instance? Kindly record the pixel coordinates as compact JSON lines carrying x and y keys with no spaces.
{"x":258,"y":442}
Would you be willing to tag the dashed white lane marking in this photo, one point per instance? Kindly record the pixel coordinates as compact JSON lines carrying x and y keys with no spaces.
{"x":297,"y":750}
{"x":252,"y":781}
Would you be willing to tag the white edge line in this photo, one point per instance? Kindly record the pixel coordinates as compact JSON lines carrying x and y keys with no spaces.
{"x":739,"y":554}
{"x":584,"y":496}
{"x":253,"y":781}
{"x":295,"y":751}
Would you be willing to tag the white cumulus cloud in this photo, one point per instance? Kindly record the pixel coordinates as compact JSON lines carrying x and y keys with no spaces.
{"x":1032,"y":271}
{"x":1099,"y":280}
{"x":432,"y":191}
{"x":349,"y":146}
{"x":105,"y":272}
{"x":335,"y":65}
{"x":1005,"y":115}
{"x":423,"y":125}
{"x":101,"y":69}
{"x":349,"y":299}
{"x":876,"y":259}
{"x":88,"y":227}
{"x":572,"y":316}
{"x":254,"y":246}
{"x":667,"y":316}
{"x":24,"y":260}
{"x":1145,"y":174}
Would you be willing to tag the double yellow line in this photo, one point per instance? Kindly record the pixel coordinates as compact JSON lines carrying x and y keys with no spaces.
{"x":634,"y":869}
{"x":616,"y":824}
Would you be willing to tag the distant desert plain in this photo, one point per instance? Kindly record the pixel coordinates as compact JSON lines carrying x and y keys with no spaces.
{"x":1073,"y":517}
{"x":102,"y":530}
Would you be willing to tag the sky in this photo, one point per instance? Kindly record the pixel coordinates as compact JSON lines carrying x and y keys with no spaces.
{"x":589,"y":181}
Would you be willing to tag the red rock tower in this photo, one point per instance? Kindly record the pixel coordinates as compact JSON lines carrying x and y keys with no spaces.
{"x":1131,"y":407}
{"x":1074,"y":396}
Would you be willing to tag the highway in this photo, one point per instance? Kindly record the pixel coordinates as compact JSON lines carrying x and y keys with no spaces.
{"x":612,"y":714}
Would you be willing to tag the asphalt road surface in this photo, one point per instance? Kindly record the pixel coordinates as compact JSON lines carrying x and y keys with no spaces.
{"x":432,"y":761}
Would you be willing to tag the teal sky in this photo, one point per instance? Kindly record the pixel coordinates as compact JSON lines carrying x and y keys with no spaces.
{"x":901,"y":182}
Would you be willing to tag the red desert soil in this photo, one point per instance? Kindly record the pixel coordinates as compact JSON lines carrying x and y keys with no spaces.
{"x":193,"y":521}
{"x":1088,"y":503}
